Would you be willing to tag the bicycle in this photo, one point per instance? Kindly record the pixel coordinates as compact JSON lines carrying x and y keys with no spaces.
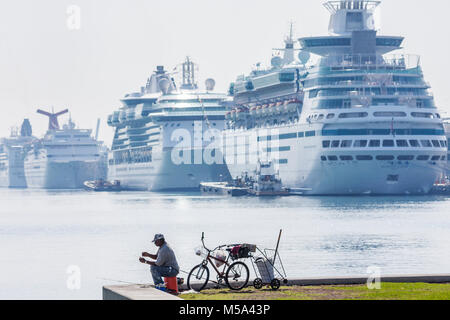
{"x":235,"y":275}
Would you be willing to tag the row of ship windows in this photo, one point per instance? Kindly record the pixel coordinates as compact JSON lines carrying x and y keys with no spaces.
{"x":347,"y":103}
{"x":384,"y":143}
{"x":178,"y":124}
{"x":369,"y":91}
{"x":355,"y":132}
{"x":141,"y":155}
{"x":401,"y":80}
{"x":384,"y":114}
{"x":383,"y":158}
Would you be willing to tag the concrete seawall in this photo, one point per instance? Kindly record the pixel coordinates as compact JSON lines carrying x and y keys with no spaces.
{"x":135,"y":292}
{"x":147,"y":292}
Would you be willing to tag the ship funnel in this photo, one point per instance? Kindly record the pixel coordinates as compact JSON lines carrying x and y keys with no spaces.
{"x":26,"y":130}
{"x":52,"y":118}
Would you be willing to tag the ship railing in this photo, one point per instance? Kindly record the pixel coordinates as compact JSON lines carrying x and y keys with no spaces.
{"x":372,"y":62}
{"x":368,"y":93}
{"x":335,"y":6}
{"x":367,"y":83}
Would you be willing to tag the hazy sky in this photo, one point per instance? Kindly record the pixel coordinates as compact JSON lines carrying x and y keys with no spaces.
{"x":43,"y":63}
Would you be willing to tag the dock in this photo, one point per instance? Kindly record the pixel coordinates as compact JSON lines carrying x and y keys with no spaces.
{"x":148,"y":292}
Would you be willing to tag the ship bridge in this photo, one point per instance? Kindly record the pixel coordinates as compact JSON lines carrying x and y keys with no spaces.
{"x":352,"y":30}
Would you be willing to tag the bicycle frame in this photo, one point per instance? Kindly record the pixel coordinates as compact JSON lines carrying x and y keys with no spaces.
{"x":209,"y":259}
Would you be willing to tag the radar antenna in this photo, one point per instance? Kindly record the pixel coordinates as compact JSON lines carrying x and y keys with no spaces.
{"x":288,"y":49}
{"x":52,"y":118}
{"x":188,"y":74}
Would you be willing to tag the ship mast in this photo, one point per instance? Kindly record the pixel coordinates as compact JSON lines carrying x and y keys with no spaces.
{"x":188,"y":75}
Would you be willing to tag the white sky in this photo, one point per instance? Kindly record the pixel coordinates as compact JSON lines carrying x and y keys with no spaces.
{"x":44,"y":64}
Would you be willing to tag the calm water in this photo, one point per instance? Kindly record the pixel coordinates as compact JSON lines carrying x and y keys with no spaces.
{"x":43,"y":233}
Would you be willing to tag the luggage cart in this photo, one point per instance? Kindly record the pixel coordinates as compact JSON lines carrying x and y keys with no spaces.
{"x":268,"y":268}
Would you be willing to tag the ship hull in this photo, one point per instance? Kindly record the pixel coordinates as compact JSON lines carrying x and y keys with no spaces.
{"x":62,"y":175}
{"x":301,"y":166}
{"x":163,"y":174}
{"x":14,"y":175}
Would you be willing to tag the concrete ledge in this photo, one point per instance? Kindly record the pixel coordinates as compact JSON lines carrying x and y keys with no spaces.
{"x":438,"y":278}
{"x":323,"y":281}
{"x":147,"y":292}
{"x":135,"y":292}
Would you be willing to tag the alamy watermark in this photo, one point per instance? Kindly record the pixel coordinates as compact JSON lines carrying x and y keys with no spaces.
{"x":73,"y":281}
{"x":211,"y":146}
{"x":374,"y":279}
{"x":73,"y":21}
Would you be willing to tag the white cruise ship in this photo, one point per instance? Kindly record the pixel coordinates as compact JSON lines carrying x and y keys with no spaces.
{"x":447,"y":133}
{"x":164,"y":135}
{"x":65,"y":158}
{"x":357,"y":121}
{"x":12,"y":153}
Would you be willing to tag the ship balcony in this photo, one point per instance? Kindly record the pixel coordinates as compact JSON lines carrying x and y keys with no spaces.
{"x":378,"y":114}
{"x":369,"y":84}
{"x":370,"y":95}
{"x":374,"y":63}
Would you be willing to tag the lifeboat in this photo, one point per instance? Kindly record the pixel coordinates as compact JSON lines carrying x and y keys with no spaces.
{"x":110,"y":120}
{"x":292,"y":105}
{"x":240,"y":114}
{"x":233,"y":114}
{"x":259,"y":111}
{"x":284,"y":108}
{"x":273,"y":109}
{"x":266,"y":110}
{"x":279,"y":108}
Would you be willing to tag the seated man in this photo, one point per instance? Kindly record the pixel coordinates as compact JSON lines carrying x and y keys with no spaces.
{"x":166,"y":264}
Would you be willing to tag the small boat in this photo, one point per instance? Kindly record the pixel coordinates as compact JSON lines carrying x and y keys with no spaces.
{"x":441,"y":189}
{"x":223,"y":188}
{"x":102,"y":186}
{"x":267,"y":182}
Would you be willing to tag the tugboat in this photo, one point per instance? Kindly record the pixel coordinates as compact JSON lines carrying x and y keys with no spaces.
{"x":102,"y":185}
{"x":267,"y":182}
{"x":441,"y":187}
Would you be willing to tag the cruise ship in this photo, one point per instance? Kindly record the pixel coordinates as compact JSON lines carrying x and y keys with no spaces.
{"x":165,"y":134}
{"x":12,"y":152}
{"x":347,"y":117}
{"x":447,"y":133}
{"x":65,"y":158}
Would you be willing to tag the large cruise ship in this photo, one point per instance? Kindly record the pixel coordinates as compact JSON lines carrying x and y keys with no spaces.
{"x":164,"y":134}
{"x":65,"y":158}
{"x":358,"y":120}
{"x":447,"y":133}
{"x":12,"y":152}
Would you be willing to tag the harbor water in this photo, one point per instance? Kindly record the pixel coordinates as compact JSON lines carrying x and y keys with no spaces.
{"x":68,"y":244}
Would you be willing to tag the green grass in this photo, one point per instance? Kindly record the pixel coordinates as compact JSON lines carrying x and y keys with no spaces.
{"x":388,"y":291}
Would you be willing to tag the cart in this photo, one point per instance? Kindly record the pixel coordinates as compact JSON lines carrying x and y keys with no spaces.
{"x":268,"y":267}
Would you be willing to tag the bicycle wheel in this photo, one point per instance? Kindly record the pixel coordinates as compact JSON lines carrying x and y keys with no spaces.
{"x":198,"y":278}
{"x":237,"y":276}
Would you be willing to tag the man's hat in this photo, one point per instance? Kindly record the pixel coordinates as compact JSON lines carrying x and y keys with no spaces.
{"x":158,"y":236}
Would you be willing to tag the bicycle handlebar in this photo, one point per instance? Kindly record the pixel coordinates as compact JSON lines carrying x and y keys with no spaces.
{"x":216,"y":248}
